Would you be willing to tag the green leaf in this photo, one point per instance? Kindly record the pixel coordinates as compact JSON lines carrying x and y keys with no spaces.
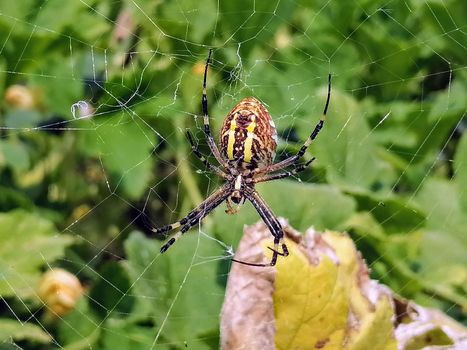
{"x":27,"y":242}
{"x":168,"y":286}
{"x":243,"y":20}
{"x":346,"y":147}
{"x":16,"y":10}
{"x":439,"y":18}
{"x":395,"y":130}
{"x":11,"y":199}
{"x":365,"y":225}
{"x":394,"y":53}
{"x":21,"y":118}
{"x":80,"y":329}
{"x":108,"y":292}
{"x":393,"y":212}
{"x":61,"y":93}
{"x":125,"y":146}
{"x":55,"y":17}
{"x":11,"y":330}
{"x":440,"y":200}
{"x":460,"y":170}
{"x":442,"y":258}
{"x":185,"y":18}
{"x":119,"y":335}
{"x":14,"y":154}
{"x":303,"y":205}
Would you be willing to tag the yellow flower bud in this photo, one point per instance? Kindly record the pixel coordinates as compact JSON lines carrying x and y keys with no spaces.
{"x":198,"y":68}
{"x":60,"y":290}
{"x":19,"y":96}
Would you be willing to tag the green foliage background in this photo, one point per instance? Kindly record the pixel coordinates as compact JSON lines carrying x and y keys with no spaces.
{"x":391,"y":162}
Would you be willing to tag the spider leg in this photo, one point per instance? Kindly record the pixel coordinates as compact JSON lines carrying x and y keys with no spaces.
{"x":272,"y":223}
{"x":293,"y":159}
{"x":207,"y":130}
{"x":284,"y":174}
{"x":230,"y":209}
{"x":203,"y":159}
{"x":193,"y":217}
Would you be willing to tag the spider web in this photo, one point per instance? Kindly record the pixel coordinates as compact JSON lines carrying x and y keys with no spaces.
{"x":125,"y":84}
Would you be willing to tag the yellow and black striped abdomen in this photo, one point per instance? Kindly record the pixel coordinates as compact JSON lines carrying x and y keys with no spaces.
{"x":248,"y":136}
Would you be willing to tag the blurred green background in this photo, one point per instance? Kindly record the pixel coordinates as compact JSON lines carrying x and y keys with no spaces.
{"x":81,"y":183}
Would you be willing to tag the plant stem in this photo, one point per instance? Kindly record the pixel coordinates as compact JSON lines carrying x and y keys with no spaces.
{"x":184,"y":171}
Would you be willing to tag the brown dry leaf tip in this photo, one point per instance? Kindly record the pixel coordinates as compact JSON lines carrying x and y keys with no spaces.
{"x":315,"y":247}
{"x":404,"y":310}
{"x":20,"y":96}
{"x":372,"y":290}
{"x":59,"y":290}
{"x":247,"y":316}
{"x":426,"y":328}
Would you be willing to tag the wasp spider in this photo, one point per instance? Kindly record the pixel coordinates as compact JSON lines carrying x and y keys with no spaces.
{"x":248,"y":142}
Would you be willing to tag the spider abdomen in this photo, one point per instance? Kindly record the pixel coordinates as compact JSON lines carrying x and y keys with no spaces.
{"x":248,"y":135}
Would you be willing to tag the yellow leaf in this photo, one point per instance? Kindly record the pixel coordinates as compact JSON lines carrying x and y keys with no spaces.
{"x":320,"y":297}
{"x":319,"y":302}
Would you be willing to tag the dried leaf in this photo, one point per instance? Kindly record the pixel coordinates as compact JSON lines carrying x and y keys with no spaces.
{"x":249,"y":292}
{"x":319,"y":297}
{"x":424,"y":328}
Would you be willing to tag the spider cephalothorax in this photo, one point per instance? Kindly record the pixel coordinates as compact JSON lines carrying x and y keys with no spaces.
{"x":248,"y":141}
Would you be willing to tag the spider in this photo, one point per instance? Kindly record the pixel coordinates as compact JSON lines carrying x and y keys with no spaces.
{"x":248,"y":142}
